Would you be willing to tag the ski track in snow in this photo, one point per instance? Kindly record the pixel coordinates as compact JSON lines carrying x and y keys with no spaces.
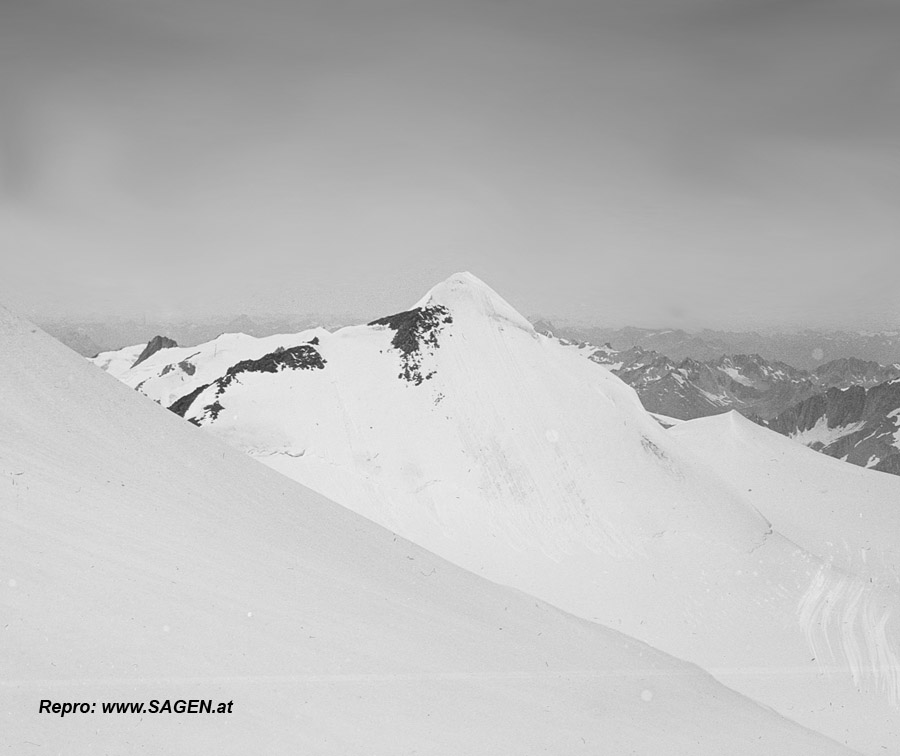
{"x":847,"y":623}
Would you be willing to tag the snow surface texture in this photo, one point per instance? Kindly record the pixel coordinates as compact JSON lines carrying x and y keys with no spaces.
{"x":141,"y":558}
{"x":520,"y":459}
{"x":846,"y":515}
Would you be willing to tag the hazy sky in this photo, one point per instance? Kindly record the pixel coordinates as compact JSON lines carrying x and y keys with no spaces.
{"x":656,"y":162}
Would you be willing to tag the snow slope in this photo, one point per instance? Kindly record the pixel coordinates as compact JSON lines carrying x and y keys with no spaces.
{"x":461,"y":428}
{"x":142,"y":559}
{"x":848,"y":515}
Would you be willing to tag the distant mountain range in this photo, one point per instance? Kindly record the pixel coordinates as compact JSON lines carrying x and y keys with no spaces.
{"x":805,"y":350}
{"x":90,"y":338}
{"x":772,"y":392}
{"x":754,"y":386}
{"x":857,"y":424}
{"x":847,"y":408}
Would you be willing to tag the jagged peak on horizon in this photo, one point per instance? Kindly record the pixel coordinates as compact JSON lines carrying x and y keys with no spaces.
{"x":465,"y":291}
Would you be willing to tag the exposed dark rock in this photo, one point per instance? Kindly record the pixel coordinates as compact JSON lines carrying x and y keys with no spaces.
{"x":693,"y":388}
{"x":415,"y":329}
{"x":153,"y":346}
{"x":301,"y":357}
{"x":213,"y":410}
{"x":182,"y":405}
{"x":865,"y":424}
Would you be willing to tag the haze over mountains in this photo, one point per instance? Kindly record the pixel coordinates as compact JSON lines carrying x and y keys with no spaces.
{"x":512,"y":454}
{"x":806,"y":349}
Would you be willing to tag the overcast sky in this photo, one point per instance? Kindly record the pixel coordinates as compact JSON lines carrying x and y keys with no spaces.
{"x":719,"y":163}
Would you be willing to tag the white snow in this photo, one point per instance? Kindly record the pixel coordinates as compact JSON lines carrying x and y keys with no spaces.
{"x":847,"y":516}
{"x":820,"y":433}
{"x":118,"y":362}
{"x":142,"y":559}
{"x":736,"y":375}
{"x":538,"y":469}
{"x":466,"y":293}
{"x":717,"y":399}
{"x":895,"y":416}
{"x":209,"y":360}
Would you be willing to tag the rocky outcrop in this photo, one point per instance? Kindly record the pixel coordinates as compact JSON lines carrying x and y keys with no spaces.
{"x":300,"y":357}
{"x":414,"y":331}
{"x":153,"y":346}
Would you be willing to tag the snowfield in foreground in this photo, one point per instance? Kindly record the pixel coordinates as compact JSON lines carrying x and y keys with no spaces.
{"x":142,"y":559}
{"x":459,"y":427}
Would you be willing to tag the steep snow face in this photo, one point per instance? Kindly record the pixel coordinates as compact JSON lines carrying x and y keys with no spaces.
{"x":469,"y":298}
{"x":509,"y":453}
{"x":142,"y":559}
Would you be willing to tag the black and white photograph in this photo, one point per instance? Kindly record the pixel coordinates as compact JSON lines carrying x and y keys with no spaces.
{"x":450,"y":377}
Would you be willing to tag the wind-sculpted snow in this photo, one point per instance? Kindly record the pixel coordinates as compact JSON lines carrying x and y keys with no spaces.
{"x":851,"y":624}
{"x":527,"y":463}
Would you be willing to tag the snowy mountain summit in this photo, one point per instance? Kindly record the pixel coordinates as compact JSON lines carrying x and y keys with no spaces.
{"x":463,"y":297}
{"x":512,"y":454}
{"x":467,"y":296}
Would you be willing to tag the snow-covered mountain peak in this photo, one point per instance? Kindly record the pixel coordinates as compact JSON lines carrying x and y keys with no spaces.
{"x":465,"y":296}
{"x":509,"y":453}
{"x":220,"y":580}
